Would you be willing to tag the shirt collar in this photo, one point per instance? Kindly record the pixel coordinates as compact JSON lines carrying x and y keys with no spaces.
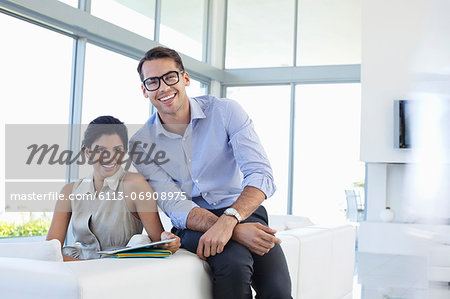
{"x":87,"y":185}
{"x":196,"y":110}
{"x":113,"y":181}
{"x":196,"y":113}
{"x":159,"y":128}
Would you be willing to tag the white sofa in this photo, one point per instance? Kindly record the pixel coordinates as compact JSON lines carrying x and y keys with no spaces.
{"x":320,"y":261}
{"x":439,"y":263}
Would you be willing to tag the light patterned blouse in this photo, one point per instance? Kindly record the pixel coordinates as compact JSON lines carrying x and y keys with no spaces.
{"x":100,"y":222}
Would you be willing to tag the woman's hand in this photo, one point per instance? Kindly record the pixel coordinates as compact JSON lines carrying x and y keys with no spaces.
{"x":68,"y":258}
{"x":172,"y":246}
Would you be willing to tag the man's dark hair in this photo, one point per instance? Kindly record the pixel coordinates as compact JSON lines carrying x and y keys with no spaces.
{"x":105,"y":125}
{"x":157,"y":53}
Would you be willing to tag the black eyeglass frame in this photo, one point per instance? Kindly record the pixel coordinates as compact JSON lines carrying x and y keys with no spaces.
{"x":162,"y":77}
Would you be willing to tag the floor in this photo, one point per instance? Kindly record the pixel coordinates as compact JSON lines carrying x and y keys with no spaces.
{"x":381,"y":276}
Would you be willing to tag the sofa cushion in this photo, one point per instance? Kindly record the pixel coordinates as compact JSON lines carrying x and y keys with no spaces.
{"x":285,"y":222}
{"x":44,"y":250}
{"x":182,"y":275}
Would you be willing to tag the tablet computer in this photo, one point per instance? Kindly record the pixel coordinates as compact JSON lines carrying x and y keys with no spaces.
{"x":130,"y":248}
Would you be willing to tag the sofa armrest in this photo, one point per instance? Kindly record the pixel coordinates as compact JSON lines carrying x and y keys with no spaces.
{"x":43,"y":250}
{"x":26,"y":278}
{"x":326,"y":261}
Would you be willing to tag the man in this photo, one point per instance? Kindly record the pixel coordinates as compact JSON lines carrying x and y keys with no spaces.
{"x":211,"y":175}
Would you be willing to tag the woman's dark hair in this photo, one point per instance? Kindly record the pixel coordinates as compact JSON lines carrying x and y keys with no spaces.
{"x":157,"y":53}
{"x":105,"y":125}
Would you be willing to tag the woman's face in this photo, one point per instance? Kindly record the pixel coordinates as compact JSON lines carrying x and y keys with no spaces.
{"x":106,"y":153}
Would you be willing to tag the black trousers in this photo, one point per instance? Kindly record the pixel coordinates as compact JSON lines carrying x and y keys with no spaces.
{"x":236,"y":269}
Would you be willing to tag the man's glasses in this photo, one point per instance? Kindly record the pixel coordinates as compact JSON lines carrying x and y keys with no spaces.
{"x":170,"y":78}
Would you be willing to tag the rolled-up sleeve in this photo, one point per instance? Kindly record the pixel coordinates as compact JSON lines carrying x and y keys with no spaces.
{"x":176,"y":209}
{"x":248,"y":151}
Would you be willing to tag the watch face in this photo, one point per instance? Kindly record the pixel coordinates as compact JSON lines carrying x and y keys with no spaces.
{"x":233,"y":212}
{"x":230,"y":212}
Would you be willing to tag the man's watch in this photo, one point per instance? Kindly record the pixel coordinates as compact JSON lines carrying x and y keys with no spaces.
{"x":233,"y":212}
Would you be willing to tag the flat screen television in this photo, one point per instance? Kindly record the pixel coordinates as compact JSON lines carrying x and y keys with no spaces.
{"x":403,"y":115}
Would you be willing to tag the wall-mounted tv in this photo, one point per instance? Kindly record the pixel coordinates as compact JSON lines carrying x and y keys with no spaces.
{"x":403,"y":115}
{"x":423,"y":123}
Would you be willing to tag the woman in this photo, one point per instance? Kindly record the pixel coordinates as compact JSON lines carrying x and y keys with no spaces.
{"x":111,"y":205}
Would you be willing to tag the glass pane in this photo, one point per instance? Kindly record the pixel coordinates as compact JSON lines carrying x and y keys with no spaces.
{"x":260,"y":33}
{"x":35,"y":89}
{"x":73,"y":3}
{"x":35,"y":83}
{"x":196,"y":88}
{"x":327,"y":133}
{"x":183,"y":26}
{"x":112,"y":87}
{"x":329,"y":32}
{"x":259,"y":103}
{"x":137,"y":16}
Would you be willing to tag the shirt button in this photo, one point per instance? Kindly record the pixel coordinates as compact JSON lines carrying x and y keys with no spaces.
{"x":205,"y":193}
{"x":189,"y":160}
{"x":214,"y":203}
{"x":196,"y":181}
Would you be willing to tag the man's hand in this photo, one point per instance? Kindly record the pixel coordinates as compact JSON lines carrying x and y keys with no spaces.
{"x":256,"y":237}
{"x":214,"y":239}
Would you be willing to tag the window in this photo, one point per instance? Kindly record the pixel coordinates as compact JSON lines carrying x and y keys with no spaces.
{"x":326,"y":161}
{"x":35,"y":80}
{"x":329,"y":32}
{"x":196,"y":88}
{"x":73,"y":3}
{"x":183,"y":25}
{"x":260,"y":33}
{"x":137,"y":16}
{"x":112,"y":87}
{"x":35,"y":88}
{"x":268,"y":107}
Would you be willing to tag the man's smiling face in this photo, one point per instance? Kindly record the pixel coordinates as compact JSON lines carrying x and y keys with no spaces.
{"x":170,"y":101}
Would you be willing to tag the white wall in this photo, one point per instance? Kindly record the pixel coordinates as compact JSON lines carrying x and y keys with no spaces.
{"x":405,"y":55}
{"x":391,"y":37}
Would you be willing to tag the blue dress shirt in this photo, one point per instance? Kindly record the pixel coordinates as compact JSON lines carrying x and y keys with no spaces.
{"x":218,"y":155}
